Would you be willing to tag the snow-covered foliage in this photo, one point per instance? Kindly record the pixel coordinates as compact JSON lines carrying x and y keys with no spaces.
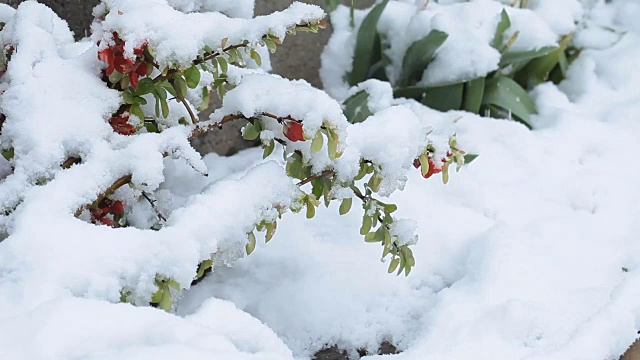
{"x":531,"y":253}
{"x":94,"y":133}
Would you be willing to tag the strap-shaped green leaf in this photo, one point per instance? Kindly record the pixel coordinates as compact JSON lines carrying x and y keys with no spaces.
{"x":505,"y":93}
{"x":355,"y":107}
{"x":473,"y":94}
{"x":419,"y":56}
{"x":503,"y":25}
{"x":511,"y":57}
{"x":365,"y":54}
{"x":444,"y":98}
{"x":537,"y":70}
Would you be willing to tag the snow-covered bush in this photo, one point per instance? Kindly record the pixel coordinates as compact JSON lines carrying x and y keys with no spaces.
{"x":92,"y":130}
{"x":478,"y":56}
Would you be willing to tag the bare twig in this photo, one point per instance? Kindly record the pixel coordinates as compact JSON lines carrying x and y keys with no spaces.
{"x":311,"y":178}
{"x":154,"y":207}
{"x":70,"y":161}
{"x":194,"y":118}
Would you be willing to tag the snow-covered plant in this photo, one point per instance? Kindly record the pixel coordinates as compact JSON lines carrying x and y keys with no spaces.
{"x":479,"y":56}
{"x":93,"y":129}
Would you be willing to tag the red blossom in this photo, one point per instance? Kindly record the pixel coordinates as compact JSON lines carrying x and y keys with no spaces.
{"x":293,"y":130}
{"x":117,"y":208}
{"x":121,"y":126}
{"x":107,"y":57}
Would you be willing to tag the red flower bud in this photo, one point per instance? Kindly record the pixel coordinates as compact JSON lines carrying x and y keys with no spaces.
{"x":416,"y":163}
{"x":117,"y":207}
{"x":108,"y":222}
{"x":99,"y":213}
{"x":293,"y":130}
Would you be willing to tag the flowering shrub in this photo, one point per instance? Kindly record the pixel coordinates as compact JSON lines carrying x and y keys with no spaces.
{"x":92,"y":130}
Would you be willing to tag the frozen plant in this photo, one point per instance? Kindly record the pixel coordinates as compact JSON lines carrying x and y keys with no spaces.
{"x":89,"y":128}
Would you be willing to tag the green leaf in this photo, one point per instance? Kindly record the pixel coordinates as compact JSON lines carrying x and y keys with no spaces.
{"x":366,"y":225}
{"x":518,"y":56}
{"x":394,"y":265}
{"x":165,"y":303}
{"x":156,"y":297}
{"x":505,"y":93}
{"x":139,"y":100}
{"x":390,"y":208}
{"x":366,"y":42}
{"x":332,"y":146}
{"x":224,"y":66}
{"x":311,"y":210}
{"x":256,"y":57}
{"x":165,"y":108}
{"x":271,"y":45}
{"x":250,"y":132}
{"x":363,"y":171}
{"x":137,"y":111}
{"x":128,"y":97}
{"x":469,"y":158}
{"x":271,"y":230}
{"x":206,"y":99}
{"x":251,"y":246}
{"x":192,"y":75}
{"x":317,"y":187}
{"x":180,"y":86}
{"x":332,"y":5}
{"x":317,"y":143}
{"x":444,"y":98}
{"x":424,"y":164}
{"x":473,"y":94}
{"x":537,"y":70}
{"x":207,"y":264}
{"x":345,"y":206}
{"x":145,"y":86}
{"x":503,"y":25}
{"x":151,"y":127}
{"x":419,"y":56}
{"x":268,"y":149}
{"x":8,"y":154}
{"x":356,"y":107}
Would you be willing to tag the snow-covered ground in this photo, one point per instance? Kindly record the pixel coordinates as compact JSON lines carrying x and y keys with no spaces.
{"x":530,"y":252}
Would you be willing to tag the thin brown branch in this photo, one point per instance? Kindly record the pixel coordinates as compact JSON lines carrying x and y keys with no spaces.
{"x":110,"y":190}
{"x":70,"y":161}
{"x":154,"y":207}
{"x":217,"y":125}
{"x":311,"y":178}
{"x":216,"y":54}
{"x":194,"y":118}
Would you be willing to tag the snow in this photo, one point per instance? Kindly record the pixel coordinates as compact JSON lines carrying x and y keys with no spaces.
{"x":529,"y":252}
{"x":182,"y":42}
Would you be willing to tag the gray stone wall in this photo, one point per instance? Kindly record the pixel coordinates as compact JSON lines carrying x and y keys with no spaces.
{"x":297,"y":58}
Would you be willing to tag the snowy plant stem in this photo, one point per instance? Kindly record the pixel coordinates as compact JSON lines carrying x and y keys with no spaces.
{"x":110,"y":190}
{"x":194,"y":118}
{"x":70,"y":161}
{"x":154,"y":207}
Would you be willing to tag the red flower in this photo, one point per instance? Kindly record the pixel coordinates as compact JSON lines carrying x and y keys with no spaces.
{"x":140,"y":49}
{"x":293,"y":130}
{"x":117,"y":208}
{"x":107,"y":57}
{"x":99,"y":213}
{"x":123,"y":65}
{"x":121,"y":126}
{"x":107,"y":222}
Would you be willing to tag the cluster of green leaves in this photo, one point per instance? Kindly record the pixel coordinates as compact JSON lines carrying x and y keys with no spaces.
{"x":502,"y":93}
